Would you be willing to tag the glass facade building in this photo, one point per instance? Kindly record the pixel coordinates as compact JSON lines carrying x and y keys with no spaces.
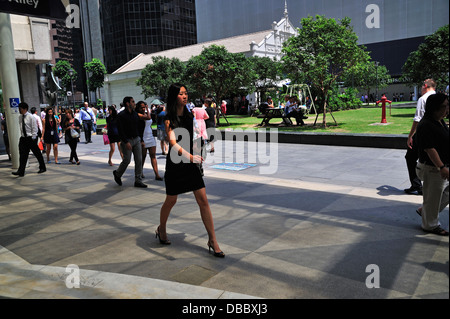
{"x":145,"y":26}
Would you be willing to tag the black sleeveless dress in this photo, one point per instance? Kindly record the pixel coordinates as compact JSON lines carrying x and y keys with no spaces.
{"x":182,"y":177}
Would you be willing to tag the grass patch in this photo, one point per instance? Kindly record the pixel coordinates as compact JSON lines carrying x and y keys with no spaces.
{"x":360,"y":121}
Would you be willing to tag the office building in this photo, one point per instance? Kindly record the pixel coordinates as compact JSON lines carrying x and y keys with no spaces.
{"x":142,"y":26}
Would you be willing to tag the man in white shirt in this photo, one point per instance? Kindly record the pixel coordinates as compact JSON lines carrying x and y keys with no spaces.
{"x":38,"y":120}
{"x":28,"y":141}
{"x":87,"y":118}
{"x":412,"y":153}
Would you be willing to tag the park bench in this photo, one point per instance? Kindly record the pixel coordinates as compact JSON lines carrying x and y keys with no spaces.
{"x":273,"y":113}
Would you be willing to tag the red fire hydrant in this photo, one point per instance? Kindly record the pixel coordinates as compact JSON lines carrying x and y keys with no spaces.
{"x":383,"y":101}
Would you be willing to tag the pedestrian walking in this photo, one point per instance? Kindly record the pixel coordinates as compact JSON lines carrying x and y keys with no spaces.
{"x":4,"y":127}
{"x":201,"y":116}
{"x":71,"y":127}
{"x":28,"y":141}
{"x":50,"y":133}
{"x":161,"y":130}
{"x":210,"y":123}
{"x":131,"y":142}
{"x":146,"y":134}
{"x":412,"y":155}
{"x":113,"y":133}
{"x":182,"y":173}
{"x":38,"y":119}
{"x":87,"y":119}
{"x":432,"y":143}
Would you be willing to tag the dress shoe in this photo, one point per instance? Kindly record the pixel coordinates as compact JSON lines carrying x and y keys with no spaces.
{"x":42,"y":171}
{"x":140,"y":185}
{"x":117,"y":178}
{"x":413,"y":191}
{"x":18,"y":174}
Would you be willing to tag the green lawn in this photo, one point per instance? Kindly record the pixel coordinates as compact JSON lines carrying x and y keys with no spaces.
{"x":363,"y":120}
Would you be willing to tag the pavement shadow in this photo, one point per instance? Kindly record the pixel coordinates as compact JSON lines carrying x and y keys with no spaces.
{"x":387,"y":190}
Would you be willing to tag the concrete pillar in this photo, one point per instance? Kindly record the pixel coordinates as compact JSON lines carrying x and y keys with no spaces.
{"x":10,"y":85}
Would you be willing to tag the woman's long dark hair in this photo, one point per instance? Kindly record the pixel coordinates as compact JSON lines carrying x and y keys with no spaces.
{"x":47,"y":116}
{"x":114,"y":111}
{"x":171,"y":107}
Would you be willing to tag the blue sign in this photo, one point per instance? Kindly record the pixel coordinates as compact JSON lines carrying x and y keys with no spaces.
{"x":14,"y":104}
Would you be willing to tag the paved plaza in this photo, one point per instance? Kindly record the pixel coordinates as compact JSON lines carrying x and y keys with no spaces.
{"x":328,"y":222}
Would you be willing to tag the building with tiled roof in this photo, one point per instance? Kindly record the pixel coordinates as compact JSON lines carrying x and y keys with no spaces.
{"x":122,"y":82}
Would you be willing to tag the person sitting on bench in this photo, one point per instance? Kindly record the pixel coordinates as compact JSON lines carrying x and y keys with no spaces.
{"x":266,"y":105}
{"x":292,"y":110}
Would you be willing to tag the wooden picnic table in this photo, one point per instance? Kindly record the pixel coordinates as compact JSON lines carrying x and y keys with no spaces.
{"x":273,"y":113}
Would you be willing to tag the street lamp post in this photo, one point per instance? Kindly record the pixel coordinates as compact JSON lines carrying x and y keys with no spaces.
{"x":376,"y":72}
{"x":73,"y":93}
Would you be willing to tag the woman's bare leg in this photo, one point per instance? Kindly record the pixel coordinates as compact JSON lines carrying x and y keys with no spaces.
{"x":164,"y":215}
{"x":112,"y":148}
{"x":152,"y":151}
{"x":205,"y":212}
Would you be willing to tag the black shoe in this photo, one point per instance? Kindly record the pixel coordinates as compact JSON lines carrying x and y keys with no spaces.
{"x":162,"y":241}
{"x":413,"y":191}
{"x":219,"y":254}
{"x":41,"y":171}
{"x":117,"y":178}
{"x":140,"y":184}
{"x":18,"y":174}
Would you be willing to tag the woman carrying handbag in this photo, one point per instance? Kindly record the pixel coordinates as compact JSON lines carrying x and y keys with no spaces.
{"x":71,"y":127}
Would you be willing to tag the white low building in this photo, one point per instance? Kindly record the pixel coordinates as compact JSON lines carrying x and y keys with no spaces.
{"x":267,"y":43}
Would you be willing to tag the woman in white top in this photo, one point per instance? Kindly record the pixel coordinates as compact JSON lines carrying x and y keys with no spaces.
{"x":146,"y":132}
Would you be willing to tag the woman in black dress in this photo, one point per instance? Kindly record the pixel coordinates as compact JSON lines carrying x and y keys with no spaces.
{"x":182,"y":172}
{"x":50,"y":133}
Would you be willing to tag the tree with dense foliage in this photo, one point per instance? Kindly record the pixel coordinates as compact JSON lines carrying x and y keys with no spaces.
{"x":322,"y":52}
{"x":157,"y":77}
{"x":97,"y":72}
{"x":267,"y":73}
{"x":218,"y":72}
{"x":61,"y":70}
{"x":430,"y":60}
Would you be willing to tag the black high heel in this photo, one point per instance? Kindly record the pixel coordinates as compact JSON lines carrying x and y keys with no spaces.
{"x":161,"y":241}
{"x":219,"y":254}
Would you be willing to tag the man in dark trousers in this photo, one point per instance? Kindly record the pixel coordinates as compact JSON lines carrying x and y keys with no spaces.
{"x":412,"y":153}
{"x":131,"y":143}
{"x":28,"y":140}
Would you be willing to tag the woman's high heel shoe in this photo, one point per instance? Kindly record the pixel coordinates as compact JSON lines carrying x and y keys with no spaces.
{"x":161,"y":241}
{"x":219,"y":254}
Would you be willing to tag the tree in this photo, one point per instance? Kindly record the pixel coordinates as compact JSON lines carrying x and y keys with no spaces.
{"x":97,"y":74}
{"x":267,"y":73}
{"x":321,"y":53}
{"x":430,"y":60}
{"x":157,"y":77}
{"x":368,"y":75}
{"x":219,"y":72}
{"x":61,"y":70}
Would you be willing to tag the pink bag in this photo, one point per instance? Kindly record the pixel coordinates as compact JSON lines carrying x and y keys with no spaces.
{"x":105,"y":139}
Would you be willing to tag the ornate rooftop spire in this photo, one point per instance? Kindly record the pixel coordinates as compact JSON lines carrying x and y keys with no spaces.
{"x":285,"y":10}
